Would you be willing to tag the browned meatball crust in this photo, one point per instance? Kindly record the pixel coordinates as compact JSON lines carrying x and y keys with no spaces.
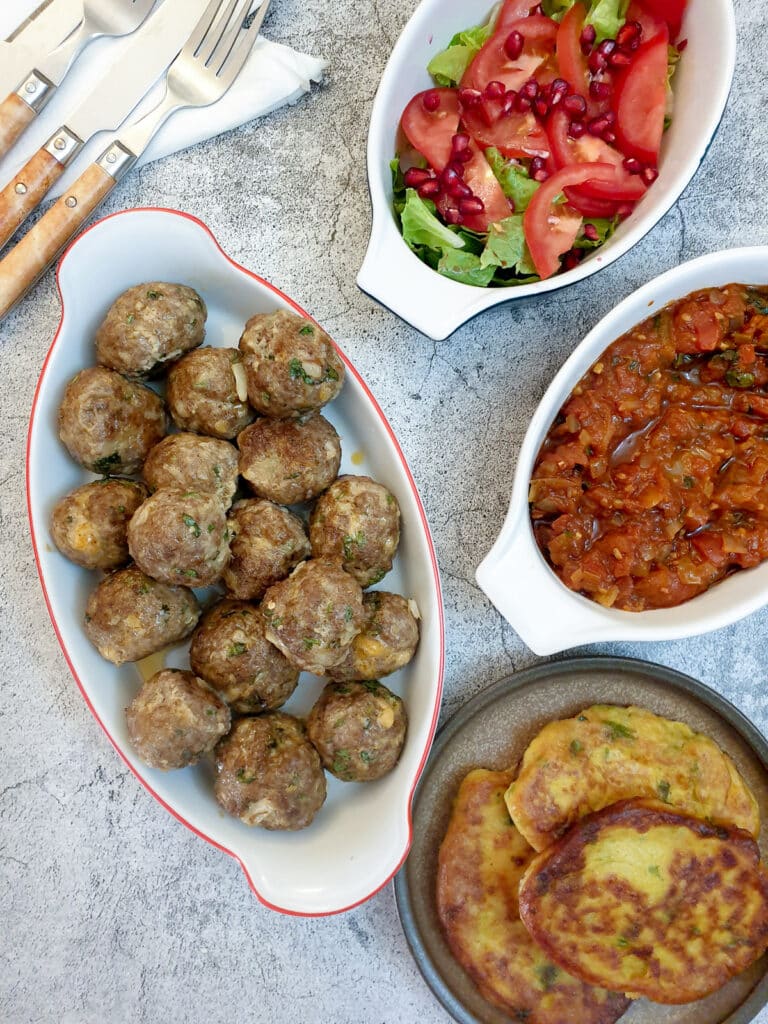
{"x":387,"y":642}
{"x":189,"y":462}
{"x":314,"y":615}
{"x":230,"y":651}
{"x":291,"y":364}
{"x":180,"y":537}
{"x":90,"y":524}
{"x":266,"y":542}
{"x":107,"y":423}
{"x":130,"y":616}
{"x":175,"y":720}
{"x":289,"y":461}
{"x":357,"y":522}
{"x":268,"y":773}
{"x":207,"y":393}
{"x":149,"y":326}
{"x":358,"y":729}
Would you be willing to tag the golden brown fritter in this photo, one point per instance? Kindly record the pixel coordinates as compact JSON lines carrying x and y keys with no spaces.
{"x":606,"y":754}
{"x":481,"y":860}
{"x":644,"y":900}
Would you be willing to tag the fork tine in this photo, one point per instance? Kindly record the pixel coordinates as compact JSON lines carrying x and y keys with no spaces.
{"x":228,"y":38}
{"x":202,"y":27}
{"x":239,"y":53}
{"x":215,"y":32}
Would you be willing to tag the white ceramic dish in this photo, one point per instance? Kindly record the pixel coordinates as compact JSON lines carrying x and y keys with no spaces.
{"x":362,"y":834}
{"x":437,"y":306}
{"x":546,"y":614}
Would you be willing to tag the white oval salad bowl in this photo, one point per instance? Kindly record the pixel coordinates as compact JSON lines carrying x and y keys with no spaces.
{"x":363,"y":832}
{"x":437,"y":305}
{"x":544,"y":612}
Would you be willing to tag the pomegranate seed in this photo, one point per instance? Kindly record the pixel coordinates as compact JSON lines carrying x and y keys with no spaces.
{"x":456,"y":167}
{"x":632,"y":165}
{"x":513,"y":45}
{"x":449,"y":177}
{"x":649,"y":175}
{"x":607,"y":47}
{"x":599,"y":90}
{"x":575,"y":104}
{"x":577,"y":129}
{"x":609,"y":136}
{"x":429,"y":189}
{"x":598,"y":125}
{"x":453,"y":184}
{"x":682,"y":45}
{"x":416,"y":176}
{"x":541,"y":106}
{"x":571,"y":259}
{"x":508,"y":103}
{"x":597,"y":62}
{"x":590,"y":233}
{"x":452,"y":215}
{"x":587,"y":39}
{"x":522,"y":104}
{"x":560,"y":89}
{"x":628,"y":36}
{"x":495,"y":90}
{"x":538,"y":169}
{"x":470,"y":97}
{"x":431,"y":100}
{"x":624,"y":210}
{"x":610,"y":117}
{"x":471,"y":205}
{"x":531,"y":89}
{"x":618,"y":59}
{"x":459,"y":143}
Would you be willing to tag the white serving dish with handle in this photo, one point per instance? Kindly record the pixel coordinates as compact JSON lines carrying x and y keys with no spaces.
{"x":436,"y":305}
{"x":544,"y":612}
{"x":362,"y":834}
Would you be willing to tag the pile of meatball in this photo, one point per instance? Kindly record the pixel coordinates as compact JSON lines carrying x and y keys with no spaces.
{"x":290,"y":585}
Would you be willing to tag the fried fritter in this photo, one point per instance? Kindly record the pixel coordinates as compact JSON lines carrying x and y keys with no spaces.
{"x":481,"y":860}
{"x":606,"y":754}
{"x":644,"y":900}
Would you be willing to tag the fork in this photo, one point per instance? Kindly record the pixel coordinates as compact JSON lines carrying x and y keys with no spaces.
{"x":204,"y":70}
{"x":100,"y":18}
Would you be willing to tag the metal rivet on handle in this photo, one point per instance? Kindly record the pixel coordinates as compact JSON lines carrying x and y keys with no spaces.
{"x":60,"y":143}
{"x":21,"y":188}
{"x":70,"y":201}
{"x":31,"y":87}
{"x":111,"y":158}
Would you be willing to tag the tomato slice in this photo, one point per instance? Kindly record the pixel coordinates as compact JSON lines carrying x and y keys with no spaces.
{"x":590,"y":150}
{"x":512,"y":11}
{"x":589,"y":207}
{"x":651,"y":24}
{"x":485,"y":185}
{"x":431,"y":132}
{"x":491,"y":63}
{"x":640,"y":101}
{"x":669,"y":11}
{"x":572,"y":62}
{"x":550,"y":230}
{"x":514,"y":135}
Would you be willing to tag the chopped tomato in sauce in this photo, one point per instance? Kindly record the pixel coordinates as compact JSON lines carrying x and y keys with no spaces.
{"x":652,"y":484}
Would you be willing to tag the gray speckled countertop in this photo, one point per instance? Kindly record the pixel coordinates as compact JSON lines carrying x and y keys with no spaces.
{"x":110,"y":911}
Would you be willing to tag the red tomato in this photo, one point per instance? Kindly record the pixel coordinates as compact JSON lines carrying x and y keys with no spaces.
{"x":669,"y":11}
{"x":512,"y":11}
{"x":593,"y":207}
{"x":430,"y":132}
{"x":514,"y":135}
{"x":484,"y":183}
{"x":590,"y":150}
{"x":492,"y":64}
{"x":550,"y":230}
{"x":573,"y":63}
{"x":710,"y":547}
{"x":640,"y":101}
{"x":649,"y":22}
{"x":538,"y":31}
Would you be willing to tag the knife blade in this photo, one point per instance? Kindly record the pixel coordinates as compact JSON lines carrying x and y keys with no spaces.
{"x":42,"y":32}
{"x":142,"y":60}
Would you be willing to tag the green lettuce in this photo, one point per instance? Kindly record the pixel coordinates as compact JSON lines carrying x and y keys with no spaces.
{"x":421,"y":226}
{"x":604,"y":227}
{"x":516,"y":183}
{"x":448,"y":67}
{"x":607,"y":16}
{"x":466,"y":267}
{"x":506,"y":247}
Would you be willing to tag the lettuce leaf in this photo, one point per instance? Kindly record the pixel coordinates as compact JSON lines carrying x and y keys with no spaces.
{"x":604,"y":227}
{"x":421,"y":226}
{"x":607,"y":16}
{"x":466,"y":267}
{"x":448,"y":67}
{"x":506,"y":247}
{"x":516,"y":184}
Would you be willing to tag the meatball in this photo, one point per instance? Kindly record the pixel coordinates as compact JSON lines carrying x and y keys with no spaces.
{"x":149,"y":326}
{"x":174,"y":720}
{"x":207,"y":393}
{"x":189,"y":462}
{"x":268,"y":773}
{"x":230,"y":651}
{"x":357,"y":522}
{"x":358,"y":729}
{"x":314,"y":615}
{"x":180,"y":537}
{"x":288,"y":461}
{"x":90,"y":524}
{"x":130,"y":616}
{"x":388,"y":639}
{"x":291,"y":364}
{"x":107,"y":423}
{"x":266,"y":542}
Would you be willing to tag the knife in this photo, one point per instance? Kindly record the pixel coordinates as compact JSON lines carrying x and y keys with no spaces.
{"x":42,"y":32}
{"x":100,"y":18}
{"x":142,"y":61}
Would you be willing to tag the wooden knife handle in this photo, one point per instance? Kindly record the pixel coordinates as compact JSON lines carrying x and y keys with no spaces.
{"x":21,"y":195}
{"x":28,"y":260}
{"x":15,"y":117}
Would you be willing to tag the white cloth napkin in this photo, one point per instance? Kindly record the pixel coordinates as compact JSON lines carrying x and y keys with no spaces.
{"x":273,"y":76}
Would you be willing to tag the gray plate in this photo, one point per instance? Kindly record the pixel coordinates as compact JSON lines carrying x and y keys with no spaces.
{"x":491,"y":731}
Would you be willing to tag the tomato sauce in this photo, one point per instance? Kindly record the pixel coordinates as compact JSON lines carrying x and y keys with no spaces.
{"x":652,"y":484}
